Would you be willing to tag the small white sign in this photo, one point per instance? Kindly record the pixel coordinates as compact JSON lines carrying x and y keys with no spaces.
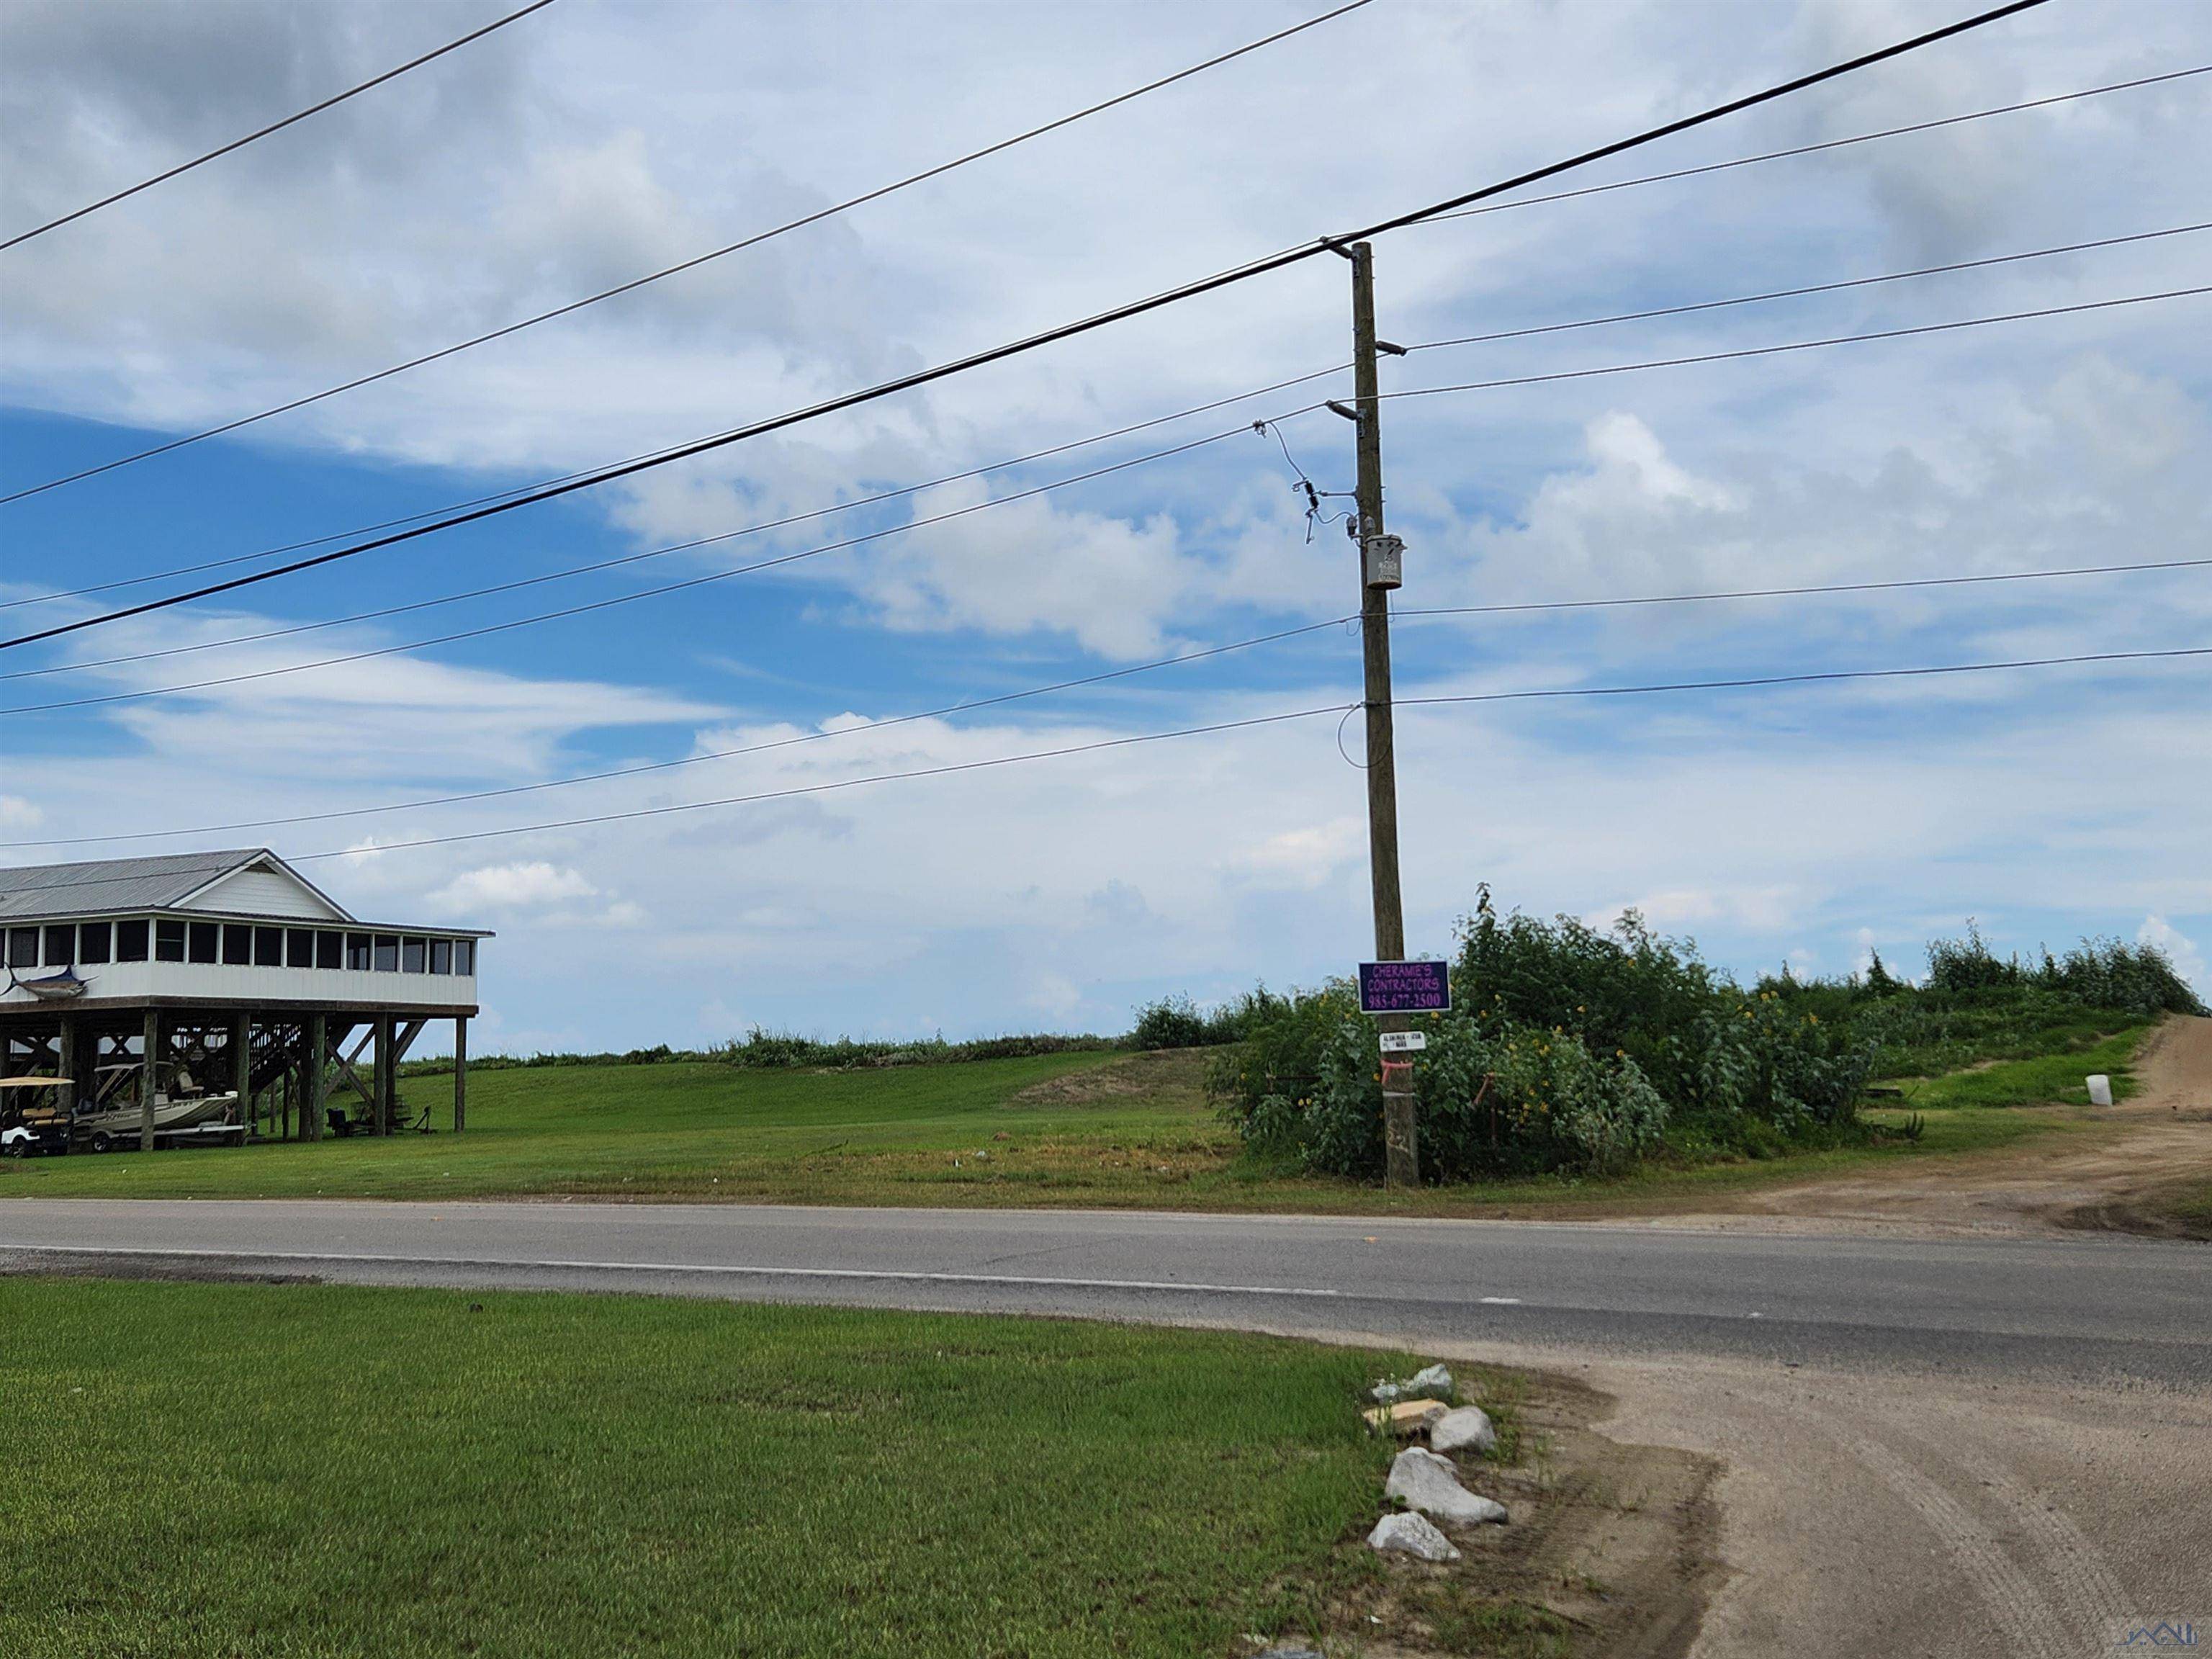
{"x":1404,"y":1043}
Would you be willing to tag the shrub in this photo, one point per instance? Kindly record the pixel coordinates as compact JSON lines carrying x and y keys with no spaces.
{"x":1170,"y":1023}
{"x":1178,"y":1022}
{"x":1512,"y":1102}
{"x":1573,"y":1049}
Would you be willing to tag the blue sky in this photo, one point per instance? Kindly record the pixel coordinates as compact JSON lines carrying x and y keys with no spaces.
{"x":597,"y":141}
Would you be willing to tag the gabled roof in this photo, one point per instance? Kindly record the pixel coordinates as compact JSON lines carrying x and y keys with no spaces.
{"x":34,"y":891}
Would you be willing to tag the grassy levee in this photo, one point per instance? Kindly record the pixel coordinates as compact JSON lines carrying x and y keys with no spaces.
{"x":232,"y":1470}
{"x":2049,"y":1079}
{"x":1065,"y":1130}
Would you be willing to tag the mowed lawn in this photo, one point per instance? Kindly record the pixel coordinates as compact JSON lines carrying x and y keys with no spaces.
{"x":197,"y":1470}
{"x":1070,"y":1130}
{"x":707,"y":1130}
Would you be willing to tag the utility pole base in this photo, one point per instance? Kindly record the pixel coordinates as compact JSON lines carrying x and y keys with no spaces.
{"x":1401,"y":1152}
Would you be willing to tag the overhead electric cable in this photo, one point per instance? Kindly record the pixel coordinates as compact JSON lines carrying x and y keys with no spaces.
{"x":1337,"y":709}
{"x":1806,"y":592}
{"x":1830,"y":144}
{"x":824,"y":733}
{"x":693,"y":264}
{"x":1190,"y":290}
{"x":1267,"y":719}
{"x":596,"y":565}
{"x":819,"y":735}
{"x":1810,"y":288}
{"x":1156,"y":455}
{"x":276,"y":126}
{"x":1659,"y":177}
{"x":1751,"y":681}
{"x":631,"y":597}
{"x":685,"y":547}
{"x":1800,"y":345}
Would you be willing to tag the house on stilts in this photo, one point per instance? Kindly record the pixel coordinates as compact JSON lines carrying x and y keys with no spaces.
{"x":220,"y":995}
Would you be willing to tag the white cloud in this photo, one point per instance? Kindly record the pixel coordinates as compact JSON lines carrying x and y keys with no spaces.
{"x":512,"y":886}
{"x":2188,"y":960}
{"x":557,"y":158}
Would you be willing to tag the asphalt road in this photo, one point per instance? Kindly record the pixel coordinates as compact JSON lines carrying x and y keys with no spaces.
{"x":1947,"y":1446}
{"x":2090,"y":1309}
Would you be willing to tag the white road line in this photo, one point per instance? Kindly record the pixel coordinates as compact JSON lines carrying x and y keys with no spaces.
{"x":679,"y":1267}
{"x":1499,"y":1301}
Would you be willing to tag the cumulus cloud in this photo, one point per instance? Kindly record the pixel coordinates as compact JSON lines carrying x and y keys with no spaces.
{"x":512,"y":886}
{"x":2181,"y":950}
{"x":574,"y":153}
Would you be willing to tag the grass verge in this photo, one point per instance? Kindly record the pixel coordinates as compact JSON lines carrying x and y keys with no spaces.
{"x":203,"y":1470}
{"x":1059,"y":1131}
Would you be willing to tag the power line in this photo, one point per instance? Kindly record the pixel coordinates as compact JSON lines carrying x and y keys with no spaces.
{"x":1832,"y":675}
{"x":1801,"y":345}
{"x":276,"y":126}
{"x":1338,"y":709}
{"x":1220,"y":403}
{"x":1189,"y":291}
{"x":630,"y":598}
{"x":1110,"y":675}
{"x":1246,"y":724}
{"x":810,"y":789}
{"x":1162,"y":455}
{"x":816,"y":736}
{"x":1830,"y":143}
{"x":1805,"y":591}
{"x":1811,"y":288}
{"x":693,"y":264}
{"x":684,"y":547}
{"x":1658,"y":178}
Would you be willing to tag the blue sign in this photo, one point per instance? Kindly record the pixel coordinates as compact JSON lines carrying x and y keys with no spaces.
{"x":1404,"y":987}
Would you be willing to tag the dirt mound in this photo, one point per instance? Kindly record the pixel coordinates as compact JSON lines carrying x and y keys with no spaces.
{"x":1156,"y":1073}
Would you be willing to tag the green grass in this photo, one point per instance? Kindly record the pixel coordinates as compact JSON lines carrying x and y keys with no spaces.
{"x":1065,"y":1130}
{"x":197,"y":1470}
{"x":699,"y":1129}
{"x":2046,"y":1079}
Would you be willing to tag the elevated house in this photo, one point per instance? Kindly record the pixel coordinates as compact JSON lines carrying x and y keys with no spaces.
{"x":219,"y":991}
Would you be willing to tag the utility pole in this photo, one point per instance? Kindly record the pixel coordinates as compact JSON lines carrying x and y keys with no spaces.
{"x":1381,"y":561}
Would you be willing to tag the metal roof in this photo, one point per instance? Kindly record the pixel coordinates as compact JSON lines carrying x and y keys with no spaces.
{"x":32,"y":892}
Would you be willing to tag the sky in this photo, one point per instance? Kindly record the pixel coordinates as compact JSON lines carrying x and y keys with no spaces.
{"x":593,"y":142}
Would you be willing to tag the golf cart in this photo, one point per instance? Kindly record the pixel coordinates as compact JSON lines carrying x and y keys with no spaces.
{"x":34,"y":1116}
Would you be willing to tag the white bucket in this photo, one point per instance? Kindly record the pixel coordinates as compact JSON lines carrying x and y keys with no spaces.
{"x":2100,"y":1089}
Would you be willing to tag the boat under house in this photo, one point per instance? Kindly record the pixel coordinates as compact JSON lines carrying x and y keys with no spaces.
{"x":220,"y":995}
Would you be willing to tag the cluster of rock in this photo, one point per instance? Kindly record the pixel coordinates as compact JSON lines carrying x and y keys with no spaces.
{"x":1426,"y":1483}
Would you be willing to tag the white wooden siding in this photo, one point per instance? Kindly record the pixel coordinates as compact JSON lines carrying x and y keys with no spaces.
{"x":265,"y":892}
{"x":269,"y":986}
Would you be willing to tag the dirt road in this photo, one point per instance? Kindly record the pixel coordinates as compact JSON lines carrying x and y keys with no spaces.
{"x":2160,"y":1143}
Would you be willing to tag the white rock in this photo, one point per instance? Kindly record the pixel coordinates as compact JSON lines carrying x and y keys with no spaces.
{"x":2100,"y":1089}
{"x":1411,"y":1535}
{"x":1429,"y":1380}
{"x":1422,"y":1480}
{"x":1467,"y":1429}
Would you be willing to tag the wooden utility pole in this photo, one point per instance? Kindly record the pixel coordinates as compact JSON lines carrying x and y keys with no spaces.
{"x":460,"y":1074}
{"x":148,"y":1072}
{"x":241,"y":1066}
{"x":383,"y":1076}
{"x":1379,"y":572}
{"x":318,"y":1101}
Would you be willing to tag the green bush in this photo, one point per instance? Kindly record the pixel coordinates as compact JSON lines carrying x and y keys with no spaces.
{"x":1179,"y":1023}
{"x":2097,"y":973}
{"x":1572,"y":1049}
